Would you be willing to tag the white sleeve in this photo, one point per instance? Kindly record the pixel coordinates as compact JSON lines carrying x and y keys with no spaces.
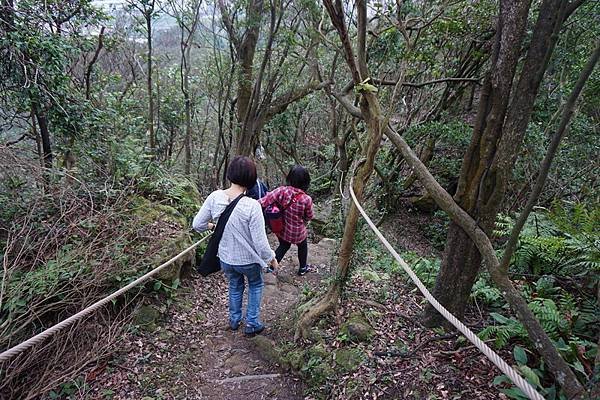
{"x":204,"y":216}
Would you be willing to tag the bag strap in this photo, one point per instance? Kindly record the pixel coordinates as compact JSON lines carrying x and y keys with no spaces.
{"x":224,"y":217}
{"x":293,"y":200}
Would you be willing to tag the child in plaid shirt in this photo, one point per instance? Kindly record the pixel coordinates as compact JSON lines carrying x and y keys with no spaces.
{"x":297,"y":211}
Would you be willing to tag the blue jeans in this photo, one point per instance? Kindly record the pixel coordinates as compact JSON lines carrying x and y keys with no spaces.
{"x":236,"y":274}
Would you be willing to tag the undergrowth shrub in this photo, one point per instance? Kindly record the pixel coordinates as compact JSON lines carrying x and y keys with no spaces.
{"x":67,"y":246}
{"x":437,"y":229}
{"x":557,"y":261}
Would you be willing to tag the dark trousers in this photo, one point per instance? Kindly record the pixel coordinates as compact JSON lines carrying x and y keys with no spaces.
{"x":285,"y":246}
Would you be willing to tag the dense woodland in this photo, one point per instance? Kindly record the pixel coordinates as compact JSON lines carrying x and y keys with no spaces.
{"x":474,"y":123}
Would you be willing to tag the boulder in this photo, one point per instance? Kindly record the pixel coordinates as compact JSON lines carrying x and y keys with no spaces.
{"x":322,"y":212}
{"x":318,"y":351}
{"x":424,"y":203}
{"x":182,"y":266}
{"x":357,"y":328}
{"x":237,"y":363}
{"x":328,"y":244}
{"x":266,"y":348}
{"x":148,"y":213}
{"x":348,"y":360}
{"x":146,"y":318}
{"x":319,"y":373}
{"x":294,"y":360}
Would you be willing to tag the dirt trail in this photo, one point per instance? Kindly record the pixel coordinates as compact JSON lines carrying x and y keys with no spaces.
{"x":191,"y":355}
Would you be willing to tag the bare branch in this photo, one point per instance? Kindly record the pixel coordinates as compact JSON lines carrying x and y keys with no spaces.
{"x":90,"y":66}
{"x":282,"y":102}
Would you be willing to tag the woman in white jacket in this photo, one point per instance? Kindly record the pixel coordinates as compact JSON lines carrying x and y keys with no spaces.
{"x":244,"y":249}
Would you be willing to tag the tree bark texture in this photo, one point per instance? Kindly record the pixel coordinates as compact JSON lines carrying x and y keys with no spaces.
{"x":90,"y":67}
{"x":562,"y":372}
{"x":255,"y":105}
{"x":499,"y":269}
{"x":188,"y":23}
{"x":245,"y":48}
{"x":567,"y":113}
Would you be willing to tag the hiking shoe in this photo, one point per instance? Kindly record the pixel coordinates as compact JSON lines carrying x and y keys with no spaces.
{"x":254,"y":333}
{"x":229,"y":327}
{"x":307,"y":268}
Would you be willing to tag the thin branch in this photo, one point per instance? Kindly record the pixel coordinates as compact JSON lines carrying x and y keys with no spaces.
{"x":90,"y":67}
{"x":382,"y":82}
{"x":21,"y":138}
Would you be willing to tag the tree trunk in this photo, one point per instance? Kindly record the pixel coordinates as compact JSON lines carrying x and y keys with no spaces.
{"x":148,"y":17}
{"x":90,"y":67}
{"x":36,"y":135}
{"x":255,"y":107}
{"x":42,"y":121}
{"x":330,"y":300}
{"x":497,"y":137}
{"x":425,"y":156}
{"x":246,"y":48}
{"x":473,"y":229}
{"x":564,"y":375}
{"x":188,"y":114}
{"x":498,"y":270}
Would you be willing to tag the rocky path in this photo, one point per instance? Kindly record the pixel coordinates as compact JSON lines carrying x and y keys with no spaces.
{"x":191,"y":355}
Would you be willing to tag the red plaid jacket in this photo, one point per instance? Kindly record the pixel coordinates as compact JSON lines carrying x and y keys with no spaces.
{"x":298,"y":210}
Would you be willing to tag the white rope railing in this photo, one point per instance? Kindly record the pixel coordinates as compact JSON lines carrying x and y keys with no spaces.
{"x":21,"y":347}
{"x":462,"y":328}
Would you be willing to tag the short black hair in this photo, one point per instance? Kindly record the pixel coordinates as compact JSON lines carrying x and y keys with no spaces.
{"x":298,"y":177}
{"x":242,"y":171}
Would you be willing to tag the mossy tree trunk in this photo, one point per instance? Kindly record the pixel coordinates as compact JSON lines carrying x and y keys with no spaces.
{"x":257,"y":102}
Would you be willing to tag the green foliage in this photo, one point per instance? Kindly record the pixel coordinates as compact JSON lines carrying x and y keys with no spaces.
{"x":486,"y":293}
{"x":564,"y":242}
{"x":557,"y":260}
{"x":426,"y":269}
{"x":69,"y":390}
{"x":557,"y":257}
{"x":533,"y":375}
{"x":43,"y":282}
{"x":175,"y":191}
{"x":437,"y":229}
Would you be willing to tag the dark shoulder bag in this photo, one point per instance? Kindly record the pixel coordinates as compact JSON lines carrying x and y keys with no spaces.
{"x":210,"y":260}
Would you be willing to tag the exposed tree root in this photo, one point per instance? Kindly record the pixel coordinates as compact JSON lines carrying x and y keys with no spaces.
{"x":327,"y":303}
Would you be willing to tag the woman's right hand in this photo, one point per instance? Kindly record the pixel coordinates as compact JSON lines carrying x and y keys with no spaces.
{"x":274,"y":264}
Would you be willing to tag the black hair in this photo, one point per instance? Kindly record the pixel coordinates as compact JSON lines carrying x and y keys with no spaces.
{"x":242,"y":171}
{"x":298,"y":177}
